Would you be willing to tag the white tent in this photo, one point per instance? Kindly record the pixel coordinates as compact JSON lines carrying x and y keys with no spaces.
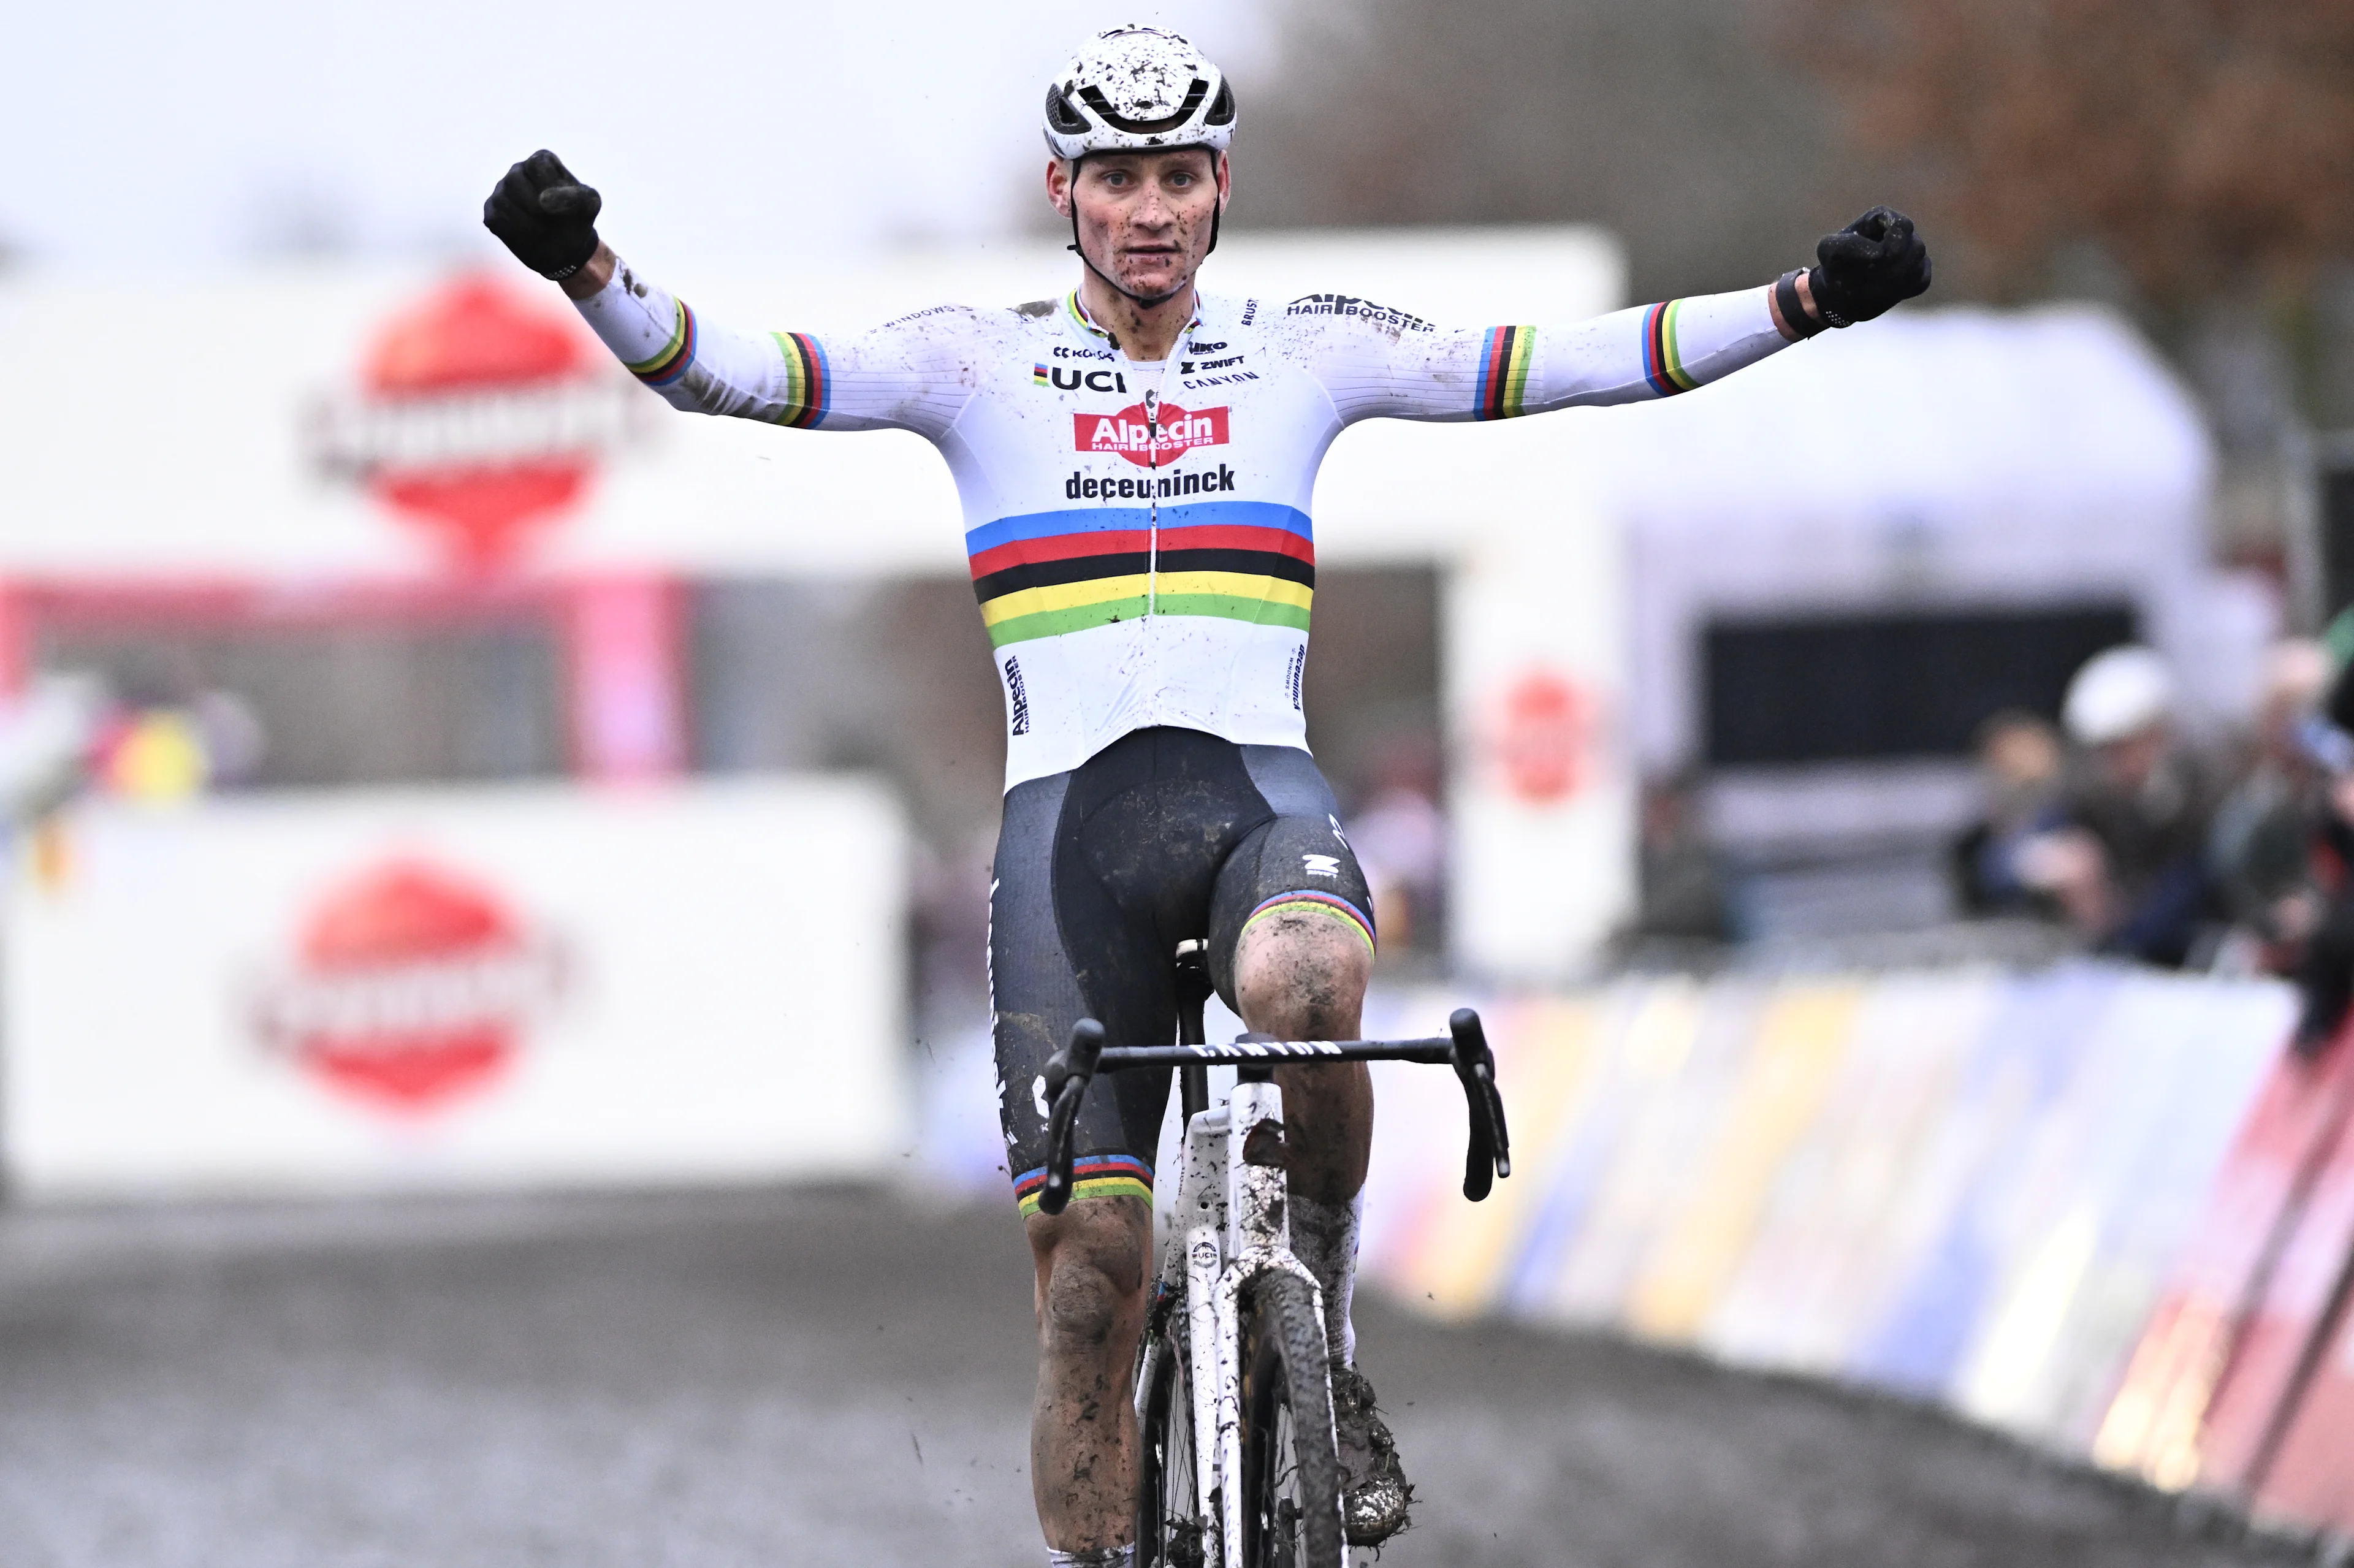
{"x":1934,"y":458}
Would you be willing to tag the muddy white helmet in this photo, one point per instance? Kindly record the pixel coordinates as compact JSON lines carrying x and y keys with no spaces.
{"x":1134,"y":88}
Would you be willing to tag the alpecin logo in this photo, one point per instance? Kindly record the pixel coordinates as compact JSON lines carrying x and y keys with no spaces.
{"x":1126,"y":433}
{"x":1017,"y":697}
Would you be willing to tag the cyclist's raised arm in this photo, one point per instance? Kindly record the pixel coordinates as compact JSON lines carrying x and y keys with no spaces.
{"x":892,"y":377}
{"x":1375,"y":361}
{"x":900,"y":375}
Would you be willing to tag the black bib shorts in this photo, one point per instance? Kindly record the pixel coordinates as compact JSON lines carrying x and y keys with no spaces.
{"x":1163,"y":836}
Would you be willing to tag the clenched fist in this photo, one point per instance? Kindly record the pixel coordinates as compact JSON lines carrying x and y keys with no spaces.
{"x":545,"y":216}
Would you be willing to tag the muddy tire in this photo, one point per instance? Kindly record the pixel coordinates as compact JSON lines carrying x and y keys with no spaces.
{"x":1291,"y":1476}
{"x":1170,"y":1532}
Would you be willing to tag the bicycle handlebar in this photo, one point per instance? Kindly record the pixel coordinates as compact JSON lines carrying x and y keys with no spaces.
{"x":1464,"y":1047}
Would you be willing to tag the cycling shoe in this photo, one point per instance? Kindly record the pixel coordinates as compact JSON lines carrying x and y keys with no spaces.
{"x":1374,"y":1492}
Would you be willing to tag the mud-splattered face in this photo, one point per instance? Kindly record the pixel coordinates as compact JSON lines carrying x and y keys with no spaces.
{"x":1144,"y":219}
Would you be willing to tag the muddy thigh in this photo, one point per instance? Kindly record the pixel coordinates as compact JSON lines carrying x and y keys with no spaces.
{"x":1302,"y":976}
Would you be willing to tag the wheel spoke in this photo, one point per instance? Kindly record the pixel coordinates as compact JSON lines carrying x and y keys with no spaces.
{"x":1176,"y":1537}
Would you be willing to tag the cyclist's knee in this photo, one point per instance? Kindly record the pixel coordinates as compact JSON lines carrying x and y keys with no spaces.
{"x":1302,"y":974}
{"x":1091,"y":1264}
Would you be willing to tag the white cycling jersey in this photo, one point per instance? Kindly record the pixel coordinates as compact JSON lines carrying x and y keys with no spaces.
{"x":1139,"y":533}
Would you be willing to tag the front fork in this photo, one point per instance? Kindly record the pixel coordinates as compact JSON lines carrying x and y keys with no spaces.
{"x":1232,"y":1212}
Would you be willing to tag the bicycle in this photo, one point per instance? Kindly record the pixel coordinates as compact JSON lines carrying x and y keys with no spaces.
{"x":1230,"y":1296}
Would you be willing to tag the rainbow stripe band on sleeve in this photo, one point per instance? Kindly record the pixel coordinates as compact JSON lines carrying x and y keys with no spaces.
{"x":1094,"y":1176}
{"x":1663,"y":366}
{"x":1504,"y":373}
{"x":809,"y":381}
{"x":1311,"y":901}
{"x":675,"y":356}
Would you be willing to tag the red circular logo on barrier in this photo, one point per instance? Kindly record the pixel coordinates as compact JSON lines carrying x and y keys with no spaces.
{"x":413,"y":987}
{"x":1544,"y":740}
{"x":481,"y":416}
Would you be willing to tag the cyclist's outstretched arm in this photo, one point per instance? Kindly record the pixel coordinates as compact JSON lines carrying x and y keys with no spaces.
{"x":888,"y":378}
{"x":1376,"y":363}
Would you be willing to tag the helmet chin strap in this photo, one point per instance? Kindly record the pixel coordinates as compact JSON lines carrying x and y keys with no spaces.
{"x":1147,"y":301}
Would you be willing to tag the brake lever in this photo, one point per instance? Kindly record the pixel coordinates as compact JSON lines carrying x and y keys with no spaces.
{"x":1069,"y":1073}
{"x":1489,"y":1154}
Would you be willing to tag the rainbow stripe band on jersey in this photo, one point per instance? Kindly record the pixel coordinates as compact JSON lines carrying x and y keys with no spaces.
{"x":1050,"y":573}
{"x":1663,"y":365}
{"x":670,"y":362}
{"x":1504,"y":373}
{"x":809,"y":381}
{"x":1309,"y":901}
{"x":1077,"y":310}
{"x":1093,"y":1176}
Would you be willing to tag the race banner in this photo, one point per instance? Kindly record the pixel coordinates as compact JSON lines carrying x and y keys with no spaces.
{"x":441,"y":988}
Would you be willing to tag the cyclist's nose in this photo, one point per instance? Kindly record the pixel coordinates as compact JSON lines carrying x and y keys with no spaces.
{"x":1153,"y":212}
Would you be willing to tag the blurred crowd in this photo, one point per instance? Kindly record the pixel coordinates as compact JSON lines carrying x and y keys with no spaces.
{"x":2149,"y":845}
{"x":70,"y":733}
{"x":2125,"y":830}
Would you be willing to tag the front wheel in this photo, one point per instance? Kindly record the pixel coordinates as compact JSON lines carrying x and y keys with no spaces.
{"x":1291,"y":1476}
{"x":1170,"y":1532}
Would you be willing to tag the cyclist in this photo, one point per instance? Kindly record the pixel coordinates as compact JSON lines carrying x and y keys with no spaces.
{"x":1135,"y":460}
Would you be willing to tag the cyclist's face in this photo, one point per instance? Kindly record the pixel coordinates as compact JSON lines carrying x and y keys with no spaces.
{"x":1144,"y":218}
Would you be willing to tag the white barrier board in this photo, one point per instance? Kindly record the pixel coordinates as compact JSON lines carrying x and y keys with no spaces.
{"x":527,"y":986}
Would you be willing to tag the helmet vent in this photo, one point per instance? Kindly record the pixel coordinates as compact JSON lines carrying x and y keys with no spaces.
{"x":1222,"y":108}
{"x":1062,"y":116}
{"x":1095,"y":99}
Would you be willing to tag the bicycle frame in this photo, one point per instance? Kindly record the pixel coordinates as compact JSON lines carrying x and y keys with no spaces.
{"x":1231,"y":1221}
{"x":1231,"y":1229}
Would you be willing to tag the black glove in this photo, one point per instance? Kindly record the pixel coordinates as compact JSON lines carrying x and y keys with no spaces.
{"x":1867,"y":268}
{"x":545,"y":216}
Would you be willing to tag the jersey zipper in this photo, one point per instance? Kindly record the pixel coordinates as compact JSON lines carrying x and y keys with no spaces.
{"x":1152,"y":500}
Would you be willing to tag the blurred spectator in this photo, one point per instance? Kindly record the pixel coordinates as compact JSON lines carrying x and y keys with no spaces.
{"x":2323,"y":958}
{"x":233,"y":739}
{"x":1400,"y":838}
{"x":46,"y":734}
{"x":2263,"y":846}
{"x":2019,"y":768}
{"x":1683,"y":893}
{"x":2129,"y":869}
{"x":166,"y":753}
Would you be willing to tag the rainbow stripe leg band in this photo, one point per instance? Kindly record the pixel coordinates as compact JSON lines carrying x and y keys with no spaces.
{"x":1312,"y":902}
{"x":1095,"y":1176}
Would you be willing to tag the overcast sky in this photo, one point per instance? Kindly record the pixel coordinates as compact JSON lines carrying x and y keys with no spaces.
{"x":158,"y":135}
